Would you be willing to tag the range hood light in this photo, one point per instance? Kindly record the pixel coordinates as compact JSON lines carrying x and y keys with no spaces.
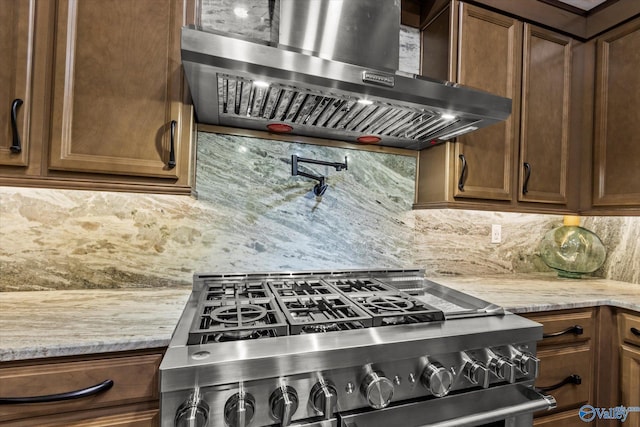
{"x":260,"y":83}
{"x":365,"y":101}
{"x":448,"y":116}
{"x":279,"y":127}
{"x":368,"y":139}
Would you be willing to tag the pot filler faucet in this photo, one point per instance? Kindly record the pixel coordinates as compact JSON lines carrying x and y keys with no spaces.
{"x":320,"y":187}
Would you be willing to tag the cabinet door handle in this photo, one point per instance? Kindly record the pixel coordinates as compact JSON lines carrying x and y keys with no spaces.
{"x":576,"y":330}
{"x":463,"y":172}
{"x":70,"y":395}
{"x":635,"y":331}
{"x":16,"y":147}
{"x":172,"y":150}
{"x":571,"y":379}
{"x":527,"y":175}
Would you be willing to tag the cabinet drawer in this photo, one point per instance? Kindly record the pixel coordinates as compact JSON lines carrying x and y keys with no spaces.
{"x":565,"y":328}
{"x":135,"y":379}
{"x":558,"y":364}
{"x":629,"y":328}
{"x":93,"y":418}
{"x":564,"y":419}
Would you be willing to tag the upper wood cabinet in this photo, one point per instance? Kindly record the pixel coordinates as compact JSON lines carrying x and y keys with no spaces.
{"x":16,"y":72}
{"x":616,"y":168}
{"x":117,"y":110}
{"x":523,"y":163}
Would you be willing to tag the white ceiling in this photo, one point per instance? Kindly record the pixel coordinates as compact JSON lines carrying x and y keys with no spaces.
{"x":583,"y":4}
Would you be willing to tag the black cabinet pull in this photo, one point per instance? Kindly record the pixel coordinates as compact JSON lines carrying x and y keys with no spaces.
{"x":172,"y":150}
{"x":635,"y":331}
{"x":527,"y":175}
{"x":70,"y":395}
{"x":571,"y":379}
{"x":16,"y":147}
{"x":463,"y":173}
{"x":576,"y":330}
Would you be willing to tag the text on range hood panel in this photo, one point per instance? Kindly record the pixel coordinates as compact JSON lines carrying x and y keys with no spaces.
{"x":240,"y":83}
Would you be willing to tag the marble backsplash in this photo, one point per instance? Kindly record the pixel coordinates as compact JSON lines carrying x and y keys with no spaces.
{"x":252,"y":215}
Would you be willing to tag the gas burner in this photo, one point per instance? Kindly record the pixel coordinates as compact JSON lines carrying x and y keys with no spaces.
{"x":289,"y":288}
{"x":238,"y":336}
{"x":389,"y":303}
{"x":234,"y":290}
{"x":349,"y":286}
{"x":241,"y":315}
{"x":322,"y":313}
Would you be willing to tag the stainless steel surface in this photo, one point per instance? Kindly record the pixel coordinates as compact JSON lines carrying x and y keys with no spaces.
{"x":361,"y":32}
{"x":194,"y":412}
{"x":340,"y":54}
{"x":470,"y":409}
{"x":457,"y":345}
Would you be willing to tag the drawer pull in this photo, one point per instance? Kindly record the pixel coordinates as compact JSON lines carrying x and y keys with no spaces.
{"x":16,"y":147}
{"x":172,"y":151}
{"x":463,"y":173}
{"x":76,"y":394}
{"x":576,"y":330}
{"x":571,"y":379}
{"x":635,"y":331}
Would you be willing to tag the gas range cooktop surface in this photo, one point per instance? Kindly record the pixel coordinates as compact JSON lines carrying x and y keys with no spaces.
{"x":261,"y":305}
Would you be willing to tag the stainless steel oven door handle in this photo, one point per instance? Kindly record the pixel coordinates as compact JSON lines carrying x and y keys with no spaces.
{"x":496,"y":404}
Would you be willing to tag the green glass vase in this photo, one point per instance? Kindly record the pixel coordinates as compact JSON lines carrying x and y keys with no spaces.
{"x":572,"y":250}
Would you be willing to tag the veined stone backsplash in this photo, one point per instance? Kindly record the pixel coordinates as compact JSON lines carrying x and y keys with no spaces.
{"x":252,"y":215}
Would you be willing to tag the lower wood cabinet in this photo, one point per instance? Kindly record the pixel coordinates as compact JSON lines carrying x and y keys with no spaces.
{"x":567,"y":357}
{"x":132,"y":400}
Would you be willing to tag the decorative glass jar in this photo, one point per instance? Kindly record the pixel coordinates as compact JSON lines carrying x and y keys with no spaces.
{"x":572,"y":250}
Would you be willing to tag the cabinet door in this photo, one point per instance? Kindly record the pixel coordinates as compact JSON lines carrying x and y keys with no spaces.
{"x":489,"y":58}
{"x":117,"y":88}
{"x":16,"y":57}
{"x":544,"y":131}
{"x":616,"y":166}
{"x":630,"y":381}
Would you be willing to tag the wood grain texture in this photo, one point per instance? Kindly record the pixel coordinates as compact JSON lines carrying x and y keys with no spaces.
{"x":489,"y":59}
{"x":630,"y":381}
{"x":117,"y":87}
{"x":16,"y":56}
{"x":135,"y":380}
{"x":616,"y":180}
{"x":544,"y":133}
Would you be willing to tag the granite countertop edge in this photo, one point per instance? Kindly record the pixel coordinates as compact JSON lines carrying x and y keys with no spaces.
{"x":145,"y":319}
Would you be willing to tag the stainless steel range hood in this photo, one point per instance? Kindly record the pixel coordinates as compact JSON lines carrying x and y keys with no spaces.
{"x":332,"y":75}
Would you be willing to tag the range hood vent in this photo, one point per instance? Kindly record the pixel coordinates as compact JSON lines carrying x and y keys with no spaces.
{"x":253,"y":85}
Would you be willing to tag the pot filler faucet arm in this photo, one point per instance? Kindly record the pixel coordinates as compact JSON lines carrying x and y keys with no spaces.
{"x":320,"y":187}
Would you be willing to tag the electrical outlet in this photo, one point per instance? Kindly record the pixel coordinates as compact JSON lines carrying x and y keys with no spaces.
{"x":496,"y":233}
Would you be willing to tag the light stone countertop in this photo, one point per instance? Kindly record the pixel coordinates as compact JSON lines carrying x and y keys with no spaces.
{"x":63,"y":323}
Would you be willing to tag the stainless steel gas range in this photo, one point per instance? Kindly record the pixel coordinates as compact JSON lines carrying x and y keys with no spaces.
{"x":355,"y":348}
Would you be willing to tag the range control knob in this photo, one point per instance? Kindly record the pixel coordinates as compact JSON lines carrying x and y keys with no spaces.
{"x":239,"y":410}
{"x":503,"y":368}
{"x":194,"y":412}
{"x":324,"y":398}
{"x":437,"y":379}
{"x":283,"y":403}
{"x":527,"y":363}
{"x":477,"y":373}
{"x":377,"y":389}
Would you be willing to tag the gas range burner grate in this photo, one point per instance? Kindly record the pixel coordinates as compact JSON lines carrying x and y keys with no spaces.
{"x":354,"y":286}
{"x":289,"y":288}
{"x":237,"y":319}
{"x":233,"y":290}
{"x":397,"y":309}
{"x":326,"y":313}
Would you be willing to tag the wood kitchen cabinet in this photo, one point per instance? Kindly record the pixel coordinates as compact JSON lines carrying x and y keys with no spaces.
{"x":117,"y":113}
{"x":523,"y":163}
{"x":629,"y":342}
{"x":616,"y":166}
{"x":133,"y":400}
{"x":567,"y":351}
{"x":17,"y":34}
